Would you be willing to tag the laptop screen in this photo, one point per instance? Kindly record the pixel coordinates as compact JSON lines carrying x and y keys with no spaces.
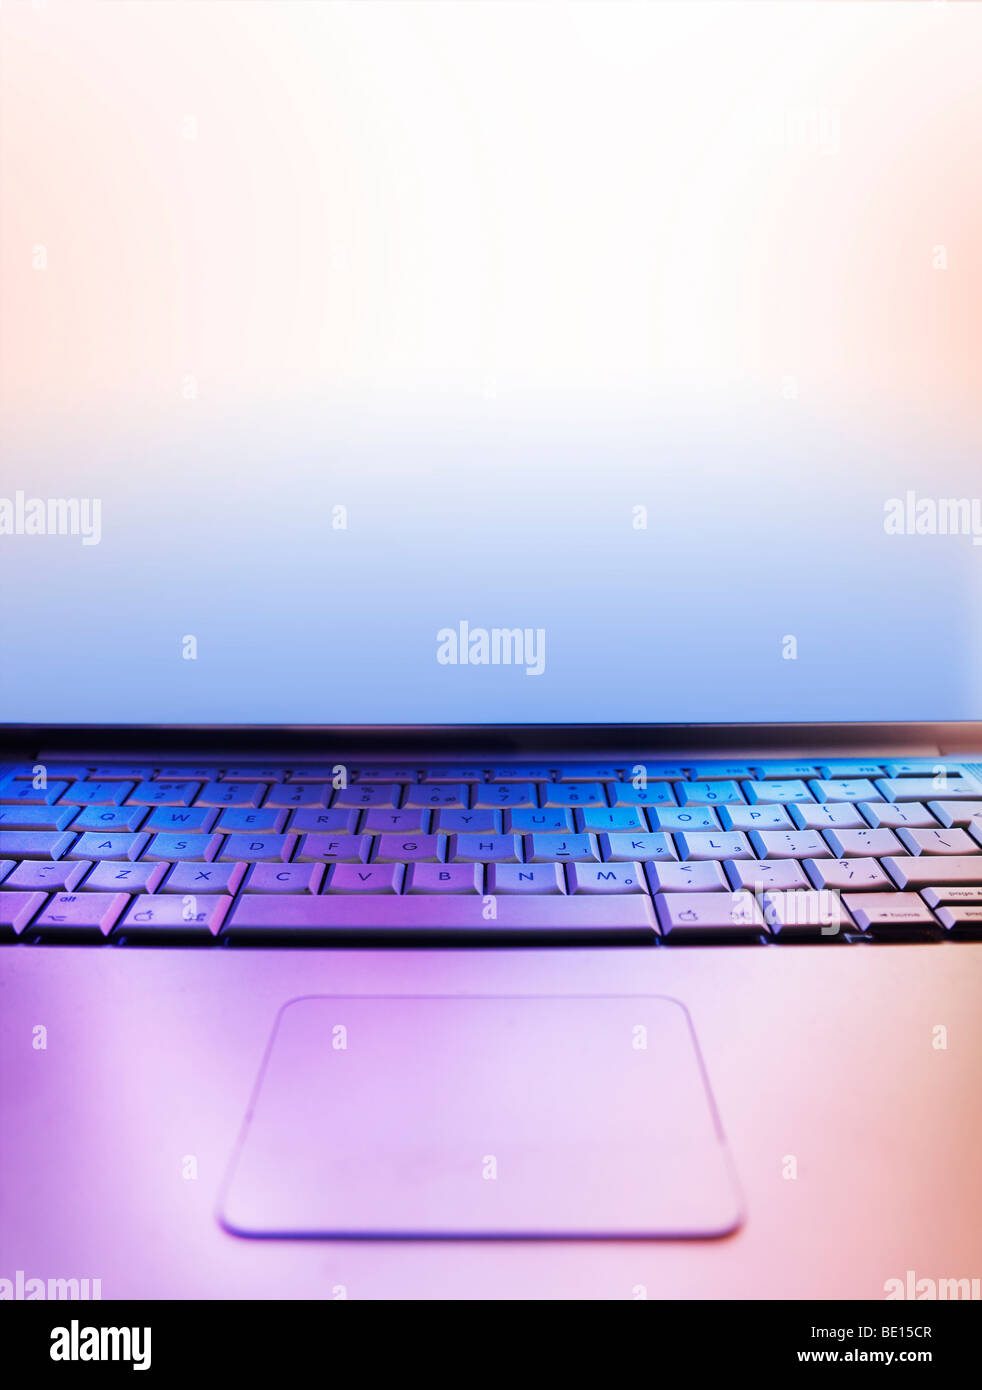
{"x":428,"y":363}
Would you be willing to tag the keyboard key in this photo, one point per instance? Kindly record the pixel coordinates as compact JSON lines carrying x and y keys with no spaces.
{"x":709,"y":916}
{"x":556,"y":821}
{"x":436,"y":796}
{"x":97,"y":844}
{"x":808,"y":815}
{"x":922,"y":767}
{"x":380,"y":794}
{"x":954,"y":893}
{"x":113,"y":876}
{"x":851,"y":769}
{"x":26,"y":794}
{"x":17,"y":910}
{"x":759,"y":793}
{"x":925,"y":871}
{"x":403,"y":849}
{"x":865,"y":844}
{"x":205,"y":878}
{"x":311,"y":794}
{"x":171,"y":819}
{"x":671,"y":818}
{"x":573,"y":794}
{"x":453,"y":774}
{"x":384,"y":774}
{"x":65,"y":771}
{"x":185,"y":774}
{"x":782,"y":772}
{"x":364,"y":878}
{"x":605,"y":878}
{"x":253,"y":774}
{"x":191,"y":916}
{"x":387,"y":821}
{"x":754,"y":818}
{"x":720,"y":844}
{"x":236,"y":794}
{"x":844,"y":789}
{"x":885,"y":913}
{"x":502,"y":794}
{"x":119,"y":772}
{"x":601,"y":820}
{"x":122,"y":818}
{"x":961,"y":919}
{"x":250,"y":848}
{"x":336,"y":849}
{"x":956,"y":812}
{"x":550,"y":849}
{"x":705,"y":876}
{"x":588,"y":772}
{"x":284,"y":878}
{"x":96,"y":794}
{"x":812,"y":915}
{"x":445,"y":878}
{"x":163,"y":794}
{"x":758,"y":875}
{"x":928,"y":789}
{"x":326,"y":774}
{"x":654,"y":794}
{"x":41,"y":875}
{"x":954,"y":841}
{"x":554,"y":918}
{"x":5,"y":867}
{"x":654,"y":772}
{"x":633,"y":848}
{"x":531,"y":879}
{"x":520,"y":774}
{"x":235,"y":822}
{"x":709,"y":771}
{"x":477,"y":822}
{"x":789,"y":844}
{"x":80,"y":915}
{"x":171,"y":848}
{"x":35,"y":844}
{"x":36,"y":817}
{"x":846,"y":875}
{"x":891,"y":815}
{"x":485,"y":849}
{"x":339,"y":822}
{"x":708,"y":793}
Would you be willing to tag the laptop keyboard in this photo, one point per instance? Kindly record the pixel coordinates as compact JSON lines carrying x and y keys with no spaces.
{"x":660,"y":854}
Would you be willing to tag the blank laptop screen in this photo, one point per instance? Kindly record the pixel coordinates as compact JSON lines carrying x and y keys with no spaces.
{"x":431,"y":363}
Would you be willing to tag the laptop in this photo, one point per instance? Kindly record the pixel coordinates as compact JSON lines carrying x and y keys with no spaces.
{"x":491,"y":749}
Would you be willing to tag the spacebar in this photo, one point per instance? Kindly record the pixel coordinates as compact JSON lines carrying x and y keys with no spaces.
{"x":411,"y":918}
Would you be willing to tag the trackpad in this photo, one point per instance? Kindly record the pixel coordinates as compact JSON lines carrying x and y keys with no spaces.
{"x":493,"y":1117}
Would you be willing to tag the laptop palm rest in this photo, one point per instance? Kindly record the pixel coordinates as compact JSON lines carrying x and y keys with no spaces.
{"x":481,"y":1117}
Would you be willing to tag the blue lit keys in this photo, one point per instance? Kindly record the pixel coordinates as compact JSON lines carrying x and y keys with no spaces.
{"x":755,"y":818}
{"x":511,"y":795}
{"x":649,"y":794}
{"x":162,"y":794}
{"x":573,"y":794}
{"x":605,"y":878}
{"x":556,"y":848}
{"x":632,"y":848}
{"x":531,"y":879}
{"x":600,"y":820}
{"x":721,"y":844}
{"x":760,"y":793}
{"x":485,"y":849}
{"x":711,"y":793}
